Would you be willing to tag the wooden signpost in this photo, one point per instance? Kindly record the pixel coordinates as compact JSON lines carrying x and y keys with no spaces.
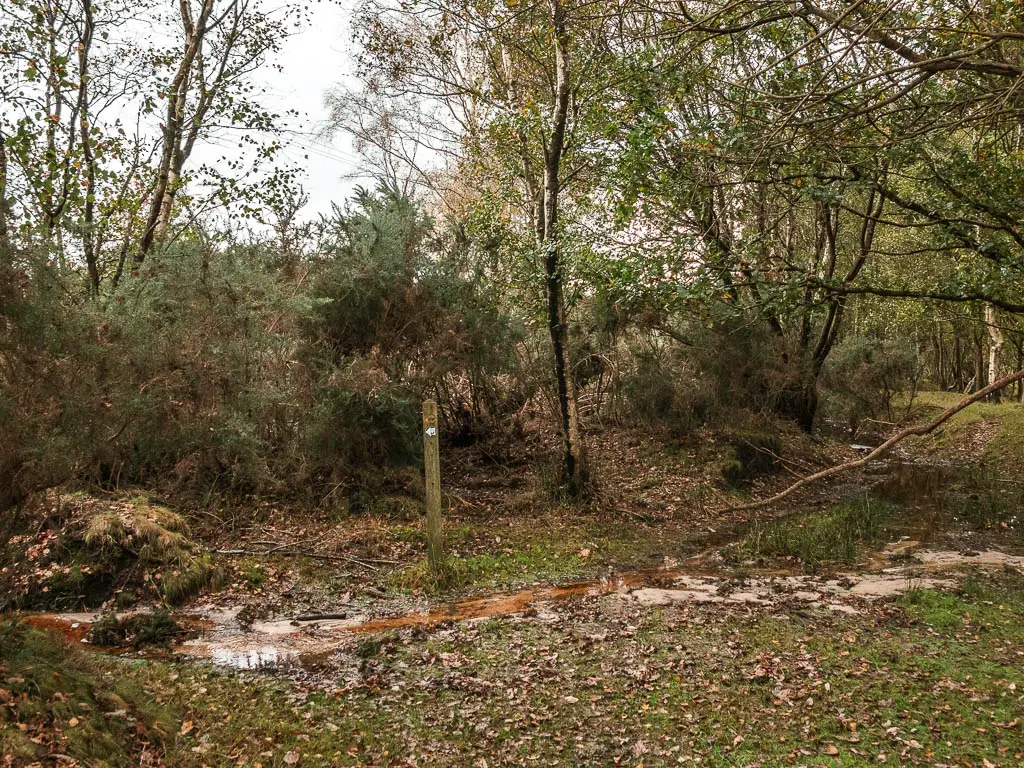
{"x":432,"y":469}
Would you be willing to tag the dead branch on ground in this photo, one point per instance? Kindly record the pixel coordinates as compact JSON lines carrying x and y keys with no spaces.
{"x":923,"y":429}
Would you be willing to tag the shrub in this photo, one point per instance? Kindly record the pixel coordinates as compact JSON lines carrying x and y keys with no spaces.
{"x":661,"y":389}
{"x":863,"y":376}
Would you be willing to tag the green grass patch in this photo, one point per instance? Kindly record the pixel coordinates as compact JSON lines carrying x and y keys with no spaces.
{"x":253,"y":574}
{"x":836,"y":535}
{"x":58,"y":700}
{"x":538,"y":561}
{"x":974,"y":602}
{"x":1005,"y":449}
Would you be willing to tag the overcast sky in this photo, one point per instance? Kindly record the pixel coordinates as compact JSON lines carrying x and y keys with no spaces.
{"x":313,"y":60}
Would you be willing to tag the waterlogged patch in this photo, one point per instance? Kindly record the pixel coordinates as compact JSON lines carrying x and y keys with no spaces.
{"x":988,"y":559}
{"x":286,"y":642}
{"x":768,"y":591}
{"x":265,"y":657}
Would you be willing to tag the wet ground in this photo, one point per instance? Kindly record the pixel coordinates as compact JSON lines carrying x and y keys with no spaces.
{"x":931,"y":546}
{"x":287,"y":644}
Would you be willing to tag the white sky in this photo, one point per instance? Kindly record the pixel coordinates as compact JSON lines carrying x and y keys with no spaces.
{"x":315,"y":59}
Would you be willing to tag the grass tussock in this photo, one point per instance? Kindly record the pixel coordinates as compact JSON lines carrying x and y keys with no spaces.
{"x":837,"y":535}
{"x":136,"y":524}
{"x":196,"y":576}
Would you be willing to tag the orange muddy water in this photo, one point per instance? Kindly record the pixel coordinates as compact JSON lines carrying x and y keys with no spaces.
{"x":916,"y":560}
{"x":285,"y":641}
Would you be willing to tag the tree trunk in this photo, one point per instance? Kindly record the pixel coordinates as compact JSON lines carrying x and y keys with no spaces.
{"x":979,"y":361}
{"x":172,"y":153}
{"x":574,"y":467}
{"x":995,"y":347}
{"x":88,"y":216}
{"x":958,"y":362}
{"x":1020,"y":366}
{"x":940,"y":363}
{"x":5,"y":239}
{"x":800,"y":404}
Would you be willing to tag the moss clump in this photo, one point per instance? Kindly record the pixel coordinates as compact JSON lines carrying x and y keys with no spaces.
{"x":127,"y":548}
{"x":750,"y":455}
{"x":151,"y":532}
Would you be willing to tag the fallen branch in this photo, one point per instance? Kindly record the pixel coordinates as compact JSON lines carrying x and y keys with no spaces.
{"x":888,"y":444}
{"x":314,"y":555}
{"x":321,"y":617}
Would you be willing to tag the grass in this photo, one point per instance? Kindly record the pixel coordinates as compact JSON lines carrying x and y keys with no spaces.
{"x":197,"y":575}
{"x":933,"y":679}
{"x":837,"y":535}
{"x":985,"y":499}
{"x":1005,"y":449}
{"x":59,"y":700}
{"x":539,"y":561}
{"x":156,"y":627}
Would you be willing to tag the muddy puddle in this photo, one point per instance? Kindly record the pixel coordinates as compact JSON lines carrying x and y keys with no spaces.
{"x":284,"y":643}
{"x":920,"y":556}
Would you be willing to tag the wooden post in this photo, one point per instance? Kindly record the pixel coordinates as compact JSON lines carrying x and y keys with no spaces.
{"x":432,"y":469}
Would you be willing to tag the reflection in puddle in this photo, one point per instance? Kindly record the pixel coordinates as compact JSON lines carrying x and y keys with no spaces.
{"x":265,"y":657}
{"x":913,"y":483}
{"x":285,"y":643}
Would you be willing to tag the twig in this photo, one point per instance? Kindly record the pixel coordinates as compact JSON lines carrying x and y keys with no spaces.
{"x":321,"y":617}
{"x":279,"y":547}
{"x":117,"y":434}
{"x":638,"y":515}
{"x":467,"y":502}
{"x":313,"y":555}
{"x":884,"y":447}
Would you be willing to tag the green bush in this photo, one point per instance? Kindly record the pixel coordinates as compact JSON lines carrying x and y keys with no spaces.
{"x":214,"y":371}
{"x":661,"y":389}
{"x":862,"y":378}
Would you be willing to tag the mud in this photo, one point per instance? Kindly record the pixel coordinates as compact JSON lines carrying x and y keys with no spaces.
{"x":285,"y":642}
{"x":918,"y":559}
